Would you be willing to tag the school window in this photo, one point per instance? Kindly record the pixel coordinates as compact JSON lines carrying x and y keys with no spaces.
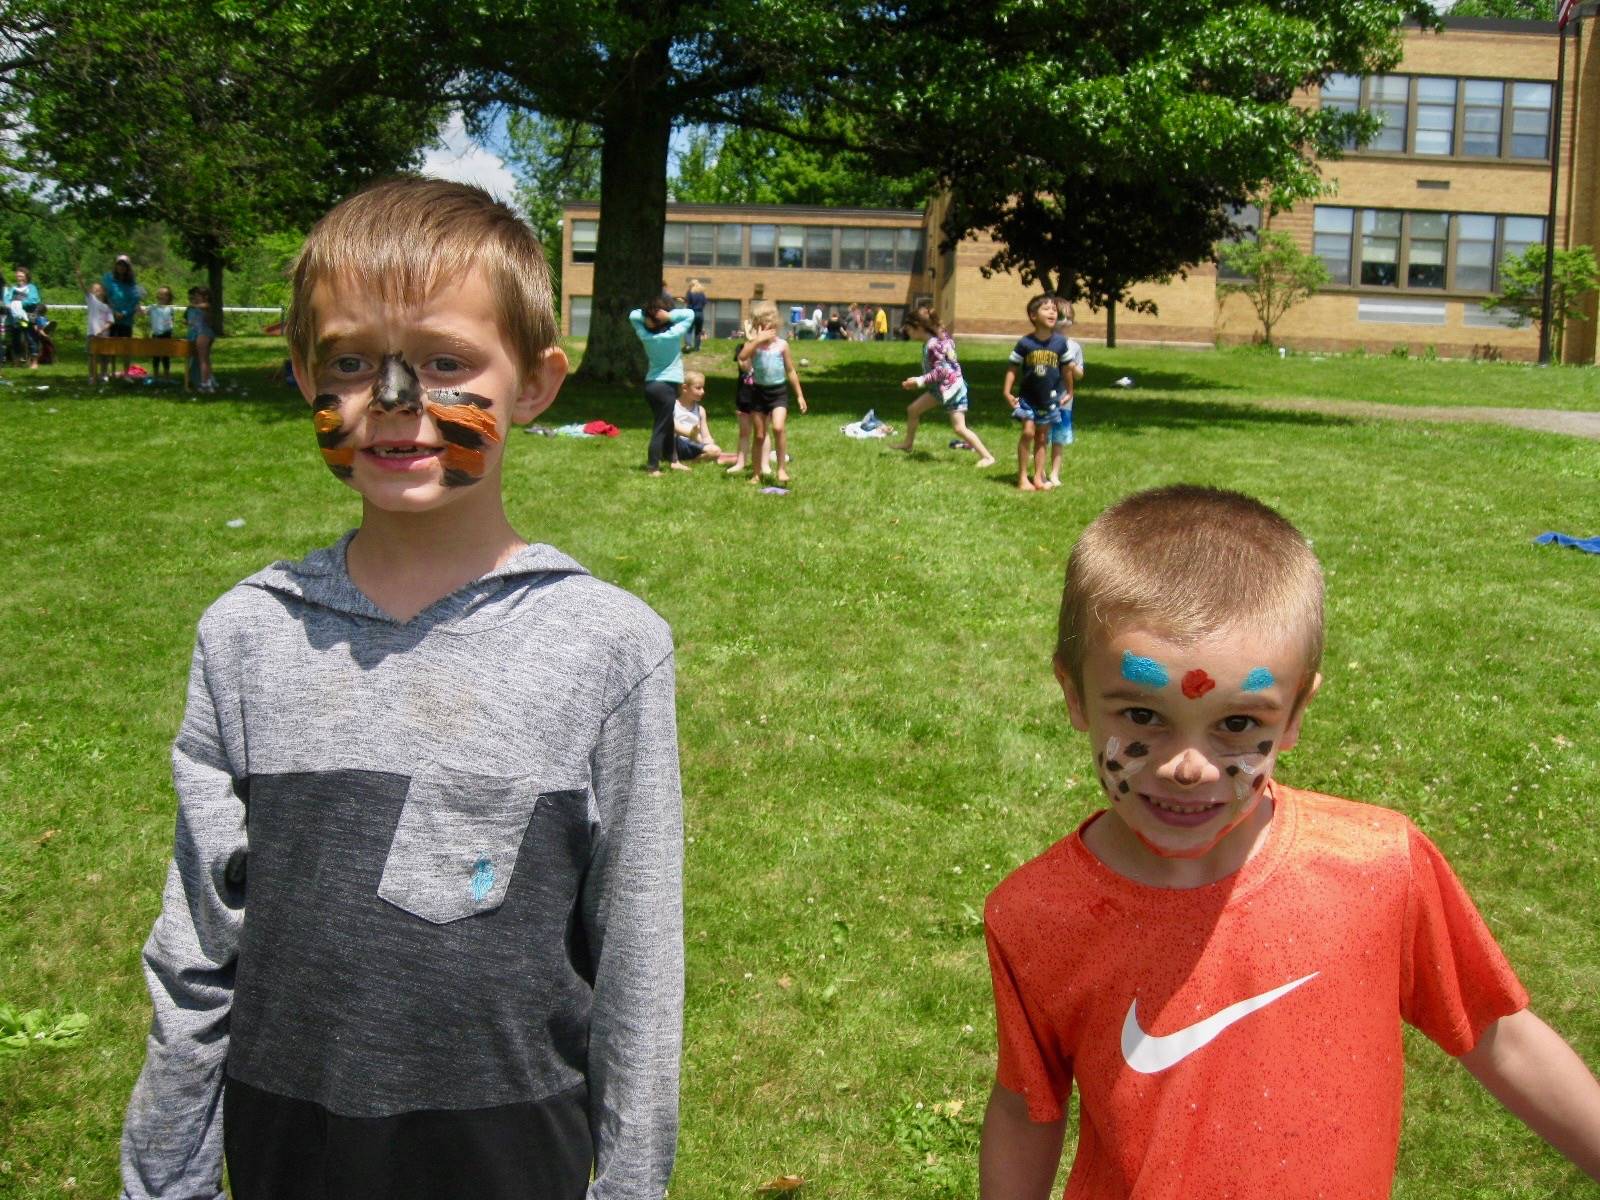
{"x":908,"y":251}
{"x":763,"y":245}
{"x":722,"y":318}
{"x":1530,"y":120}
{"x":702,"y":245}
{"x":791,"y":246}
{"x":1440,"y":116}
{"x":819,"y":248}
{"x":579,"y":310}
{"x":880,"y":249}
{"x":1419,"y":251}
{"x":730,"y":246}
{"x":585,"y":235}
{"x":674,"y":244}
{"x":852,"y":249}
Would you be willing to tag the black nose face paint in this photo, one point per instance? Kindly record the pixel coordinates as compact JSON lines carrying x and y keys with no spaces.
{"x":397,"y":389}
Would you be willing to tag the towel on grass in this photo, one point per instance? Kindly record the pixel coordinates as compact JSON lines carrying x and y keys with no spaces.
{"x":1590,"y":545}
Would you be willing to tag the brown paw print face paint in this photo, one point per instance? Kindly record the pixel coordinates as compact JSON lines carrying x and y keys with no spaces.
{"x":1246,"y":770}
{"x":1117,"y":764}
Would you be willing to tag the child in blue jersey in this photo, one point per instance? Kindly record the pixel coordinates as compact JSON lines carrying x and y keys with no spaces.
{"x":661,"y":328}
{"x":767,"y":357}
{"x":1061,"y":431}
{"x":1037,"y":357}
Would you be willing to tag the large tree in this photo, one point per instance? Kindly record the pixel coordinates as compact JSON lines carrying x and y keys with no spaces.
{"x":756,"y":166}
{"x":222,"y":121}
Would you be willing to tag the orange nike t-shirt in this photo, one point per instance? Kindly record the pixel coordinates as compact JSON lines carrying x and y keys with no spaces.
{"x":1241,"y":1039}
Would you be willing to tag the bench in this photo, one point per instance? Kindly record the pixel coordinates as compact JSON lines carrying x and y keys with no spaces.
{"x":140,"y":347}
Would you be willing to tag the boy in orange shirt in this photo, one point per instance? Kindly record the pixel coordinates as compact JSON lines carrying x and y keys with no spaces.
{"x":1221,"y":963}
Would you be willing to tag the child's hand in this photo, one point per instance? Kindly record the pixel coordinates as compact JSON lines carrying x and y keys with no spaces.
{"x":801,"y":400}
{"x":911,"y":383}
{"x":1010,"y":399}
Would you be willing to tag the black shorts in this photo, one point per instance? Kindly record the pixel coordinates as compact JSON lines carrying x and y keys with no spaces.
{"x":120,"y":329}
{"x":762,"y":398}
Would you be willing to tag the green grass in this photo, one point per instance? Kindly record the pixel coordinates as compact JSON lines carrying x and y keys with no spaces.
{"x":871,"y":736}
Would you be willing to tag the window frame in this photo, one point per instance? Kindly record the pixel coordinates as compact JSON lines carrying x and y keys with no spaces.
{"x":594,"y":241}
{"x":1508,"y":108}
{"x":1403,"y":265}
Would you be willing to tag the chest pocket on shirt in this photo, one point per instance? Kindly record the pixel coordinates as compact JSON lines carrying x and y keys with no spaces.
{"x":455,"y":847}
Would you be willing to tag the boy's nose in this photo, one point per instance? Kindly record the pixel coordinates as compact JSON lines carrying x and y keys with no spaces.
{"x":397,"y":386}
{"x":1191,"y":768}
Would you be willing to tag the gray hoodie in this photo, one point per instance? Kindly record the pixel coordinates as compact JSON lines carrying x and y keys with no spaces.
{"x":424,"y":873}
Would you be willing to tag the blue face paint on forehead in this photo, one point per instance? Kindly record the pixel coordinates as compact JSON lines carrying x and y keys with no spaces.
{"x":1146,"y":671}
{"x":1259,"y":680}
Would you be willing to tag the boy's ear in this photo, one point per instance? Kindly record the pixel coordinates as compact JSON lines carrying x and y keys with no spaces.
{"x":1070,"y":691}
{"x":302,"y":376}
{"x":541,"y":385}
{"x":1291,"y":731}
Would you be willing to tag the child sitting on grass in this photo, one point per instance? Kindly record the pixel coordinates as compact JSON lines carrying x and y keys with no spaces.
{"x":1221,"y":963}
{"x":421,"y":937}
{"x":692,"y":426}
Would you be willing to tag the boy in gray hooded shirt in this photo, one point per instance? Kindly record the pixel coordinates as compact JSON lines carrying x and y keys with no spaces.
{"x":422,"y":932}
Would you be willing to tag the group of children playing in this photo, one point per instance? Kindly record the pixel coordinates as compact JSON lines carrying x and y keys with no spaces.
{"x":437,"y":767}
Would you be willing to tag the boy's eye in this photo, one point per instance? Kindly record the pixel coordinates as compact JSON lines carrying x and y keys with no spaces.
{"x":443,"y":364}
{"x":346,"y":364}
{"x":1140,"y":716}
{"x":1239,"y":723}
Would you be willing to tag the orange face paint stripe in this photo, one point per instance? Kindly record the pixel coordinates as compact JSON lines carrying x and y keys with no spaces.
{"x":326,"y":421}
{"x":459,"y":458}
{"x":470,"y":416}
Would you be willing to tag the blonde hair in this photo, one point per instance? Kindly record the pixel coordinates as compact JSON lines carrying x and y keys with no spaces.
{"x":1190,"y":561}
{"x":688,"y":375}
{"x":764,"y":315}
{"x":403,"y":235}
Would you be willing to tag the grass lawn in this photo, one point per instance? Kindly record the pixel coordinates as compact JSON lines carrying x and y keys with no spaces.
{"x":871,"y":735}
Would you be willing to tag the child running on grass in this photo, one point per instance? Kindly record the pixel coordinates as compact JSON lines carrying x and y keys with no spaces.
{"x":1037,"y":356}
{"x":774,"y":375}
{"x":1220,"y":963}
{"x":421,"y":937}
{"x":1071,"y":372}
{"x":943,"y":382}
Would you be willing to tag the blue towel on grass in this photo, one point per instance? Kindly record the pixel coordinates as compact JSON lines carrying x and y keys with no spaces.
{"x":1587,"y":545}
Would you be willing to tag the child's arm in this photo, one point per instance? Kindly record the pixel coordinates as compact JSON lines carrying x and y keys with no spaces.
{"x":682,"y":320}
{"x":172,"y":1135}
{"x":794,"y":378}
{"x":1018,"y":1156}
{"x":1529,"y":1068}
{"x":636,"y":319}
{"x":754,"y":342}
{"x":1005,"y":388}
{"x":632,"y":909}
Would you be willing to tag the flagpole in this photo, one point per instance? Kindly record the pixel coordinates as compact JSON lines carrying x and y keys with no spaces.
{"x":1563,"y":15}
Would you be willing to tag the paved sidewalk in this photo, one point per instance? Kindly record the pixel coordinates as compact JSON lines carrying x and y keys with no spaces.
{"x":1543,"y":420}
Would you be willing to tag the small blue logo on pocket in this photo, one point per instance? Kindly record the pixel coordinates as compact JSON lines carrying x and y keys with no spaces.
{"x":482,"y":879}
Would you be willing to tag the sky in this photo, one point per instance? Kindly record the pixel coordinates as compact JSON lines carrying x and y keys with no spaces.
{"x":457,"y":156}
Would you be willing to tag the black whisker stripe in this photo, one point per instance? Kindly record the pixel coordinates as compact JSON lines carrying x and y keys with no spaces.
{"x":455,"y":478}
{"x":461,"y":435}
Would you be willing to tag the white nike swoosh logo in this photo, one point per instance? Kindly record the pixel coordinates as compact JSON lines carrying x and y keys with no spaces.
{"x":1148,"y":1054}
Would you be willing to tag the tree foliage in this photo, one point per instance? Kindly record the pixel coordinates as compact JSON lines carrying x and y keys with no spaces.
{"x":220,"y":120}
{"x":1277,"y":275}
{"x":1574,"y":276}
{"x":756,"y":166}
{"x":1524,"y":10}
{"x":553,"y":162}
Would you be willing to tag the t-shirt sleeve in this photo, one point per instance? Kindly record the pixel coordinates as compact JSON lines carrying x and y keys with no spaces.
{"x":1455,"y":981}
{"x":1019,"y":354}
{"x":1031,"y":1062}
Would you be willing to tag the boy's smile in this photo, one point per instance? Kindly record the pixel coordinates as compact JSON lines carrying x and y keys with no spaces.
{"x":411,"y":404}
{"x":1185,"y":737}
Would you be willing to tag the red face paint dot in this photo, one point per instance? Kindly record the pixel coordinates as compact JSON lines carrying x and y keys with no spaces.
{"x":1197,"y":683}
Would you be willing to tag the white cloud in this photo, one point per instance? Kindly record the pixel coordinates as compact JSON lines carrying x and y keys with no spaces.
{"x":456,"y":156}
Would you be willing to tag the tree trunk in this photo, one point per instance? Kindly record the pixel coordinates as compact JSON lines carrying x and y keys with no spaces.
{"x":213,"y":266}
{"x":633,"y":211}
{"x":1111,"y":325}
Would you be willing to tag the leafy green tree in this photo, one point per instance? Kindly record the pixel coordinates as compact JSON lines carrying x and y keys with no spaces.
{"x":1277,"y":275}
{"x":225,"y":122}
{"x":553,"y":161}
{"x":1574,"y":276}
{"x":1525,"y":10}
{"x":756,"y":166}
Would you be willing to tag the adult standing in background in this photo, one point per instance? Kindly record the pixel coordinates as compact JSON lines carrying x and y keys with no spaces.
{"x":661,"y":329}
{"x":695,"y":298}
{"x":123,"y":294}
{"x":880,"y":325}
{"x":20,"y":300}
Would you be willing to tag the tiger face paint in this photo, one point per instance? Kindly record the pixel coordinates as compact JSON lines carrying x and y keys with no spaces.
{"x":465,"y":423}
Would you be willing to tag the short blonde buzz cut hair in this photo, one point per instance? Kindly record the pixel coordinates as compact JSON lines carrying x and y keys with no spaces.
{"x":403,"y":235}
{"x":1190,"y":561}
